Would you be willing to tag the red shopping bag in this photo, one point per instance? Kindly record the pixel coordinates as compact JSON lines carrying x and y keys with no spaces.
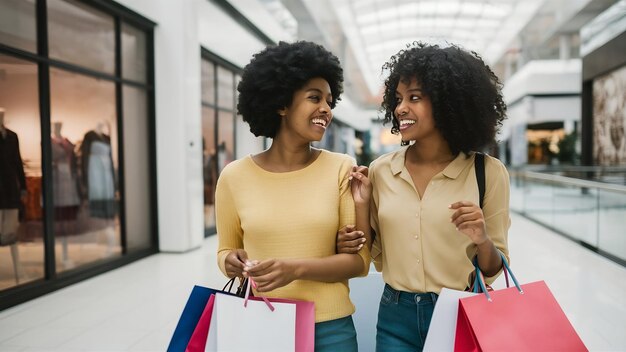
{"x":520,"y":318}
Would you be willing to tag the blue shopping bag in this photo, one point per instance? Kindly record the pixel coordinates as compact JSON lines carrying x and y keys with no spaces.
{"x":190,"y":316}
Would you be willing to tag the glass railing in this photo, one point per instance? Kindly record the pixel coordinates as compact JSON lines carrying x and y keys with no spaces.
{"x":590,"y":212}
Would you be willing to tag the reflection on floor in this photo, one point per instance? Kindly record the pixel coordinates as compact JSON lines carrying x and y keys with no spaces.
{"x":136,"y":307}
{"x":70,"y":252}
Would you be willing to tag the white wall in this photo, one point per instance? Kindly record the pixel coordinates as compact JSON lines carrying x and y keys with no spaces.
{"x":179,"y":144}
{"x":182,"y":28}
{"x":544,"y":77}
{"x":542,"y":91}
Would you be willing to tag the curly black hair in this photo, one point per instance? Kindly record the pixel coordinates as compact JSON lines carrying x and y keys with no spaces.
{"x":466,"y":95}
{"x":275,"y":74}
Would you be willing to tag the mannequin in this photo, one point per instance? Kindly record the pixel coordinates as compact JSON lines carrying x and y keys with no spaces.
{"x":12,"y":189}
{"x":98,"y":178}
{"x":64,"y":186}
{"x":65,"y":176}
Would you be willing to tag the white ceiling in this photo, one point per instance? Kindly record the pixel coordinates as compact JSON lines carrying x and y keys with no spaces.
{"x":365,"y":33}
{"x":377,"y":29}
{"x":382,"y":27}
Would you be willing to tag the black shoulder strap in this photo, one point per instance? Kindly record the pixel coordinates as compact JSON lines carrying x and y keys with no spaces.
{"x":479,"y":166}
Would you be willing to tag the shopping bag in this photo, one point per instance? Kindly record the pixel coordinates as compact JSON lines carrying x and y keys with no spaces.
{"x":191,"y":314}
{"x":442,"y":328}
{"x":254,"y":327}
{"x":261,"y":324}
{"x":305,"y":322}
{"x":521,"y":318}
{"x":197,"y":342}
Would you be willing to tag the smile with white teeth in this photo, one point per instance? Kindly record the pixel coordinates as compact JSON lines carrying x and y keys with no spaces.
{"x":406,"y":123}
{"x":319,"y":122}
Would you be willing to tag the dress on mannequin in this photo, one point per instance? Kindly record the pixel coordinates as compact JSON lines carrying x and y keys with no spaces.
{"x":64,"y":189}
{"x":98,"y":178}
{"x":12,"y":182}
{"x":12,"y":189}
{"x":64,"y":177}
{"x":98,"y":174}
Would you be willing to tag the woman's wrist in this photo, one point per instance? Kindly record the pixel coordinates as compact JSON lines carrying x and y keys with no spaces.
{"x":484,"y":244}
{"x":297,"y":268}
{"x":365,"y":206}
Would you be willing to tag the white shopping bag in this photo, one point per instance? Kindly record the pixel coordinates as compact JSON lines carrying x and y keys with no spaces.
{"x":442,"y":328}
{"x":251,"y":328}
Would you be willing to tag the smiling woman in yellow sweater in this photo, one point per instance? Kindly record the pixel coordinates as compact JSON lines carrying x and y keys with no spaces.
{"x":279,"y":211}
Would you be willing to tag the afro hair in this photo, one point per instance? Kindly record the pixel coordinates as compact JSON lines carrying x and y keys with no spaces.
{"x":275,"y":74}
{"x":466,"y":96}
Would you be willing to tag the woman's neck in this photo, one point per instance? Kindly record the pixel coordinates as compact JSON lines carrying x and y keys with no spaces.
{"x":291,"y":155}
{"x":429,"y":153}
{"x":284,"y":158}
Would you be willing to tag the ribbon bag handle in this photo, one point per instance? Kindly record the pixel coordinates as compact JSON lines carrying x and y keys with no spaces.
{"x":249,"y":287}
{"x":479,"y":279}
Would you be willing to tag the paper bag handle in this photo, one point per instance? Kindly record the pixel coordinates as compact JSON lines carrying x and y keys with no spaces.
{"x":480,"y":280}
{"x":251,"y":284}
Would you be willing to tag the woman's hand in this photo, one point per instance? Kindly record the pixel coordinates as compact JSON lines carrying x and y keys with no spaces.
{"x":350,"y":241}
{"x":469,"y":220}
{"x":271,"y":274}
{"x":235,"y":262}
{"x":360,"y":185}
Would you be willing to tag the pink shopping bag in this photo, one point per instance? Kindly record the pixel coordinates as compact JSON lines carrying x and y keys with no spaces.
{"x":305,"y":322}
{"x":199,"y":335}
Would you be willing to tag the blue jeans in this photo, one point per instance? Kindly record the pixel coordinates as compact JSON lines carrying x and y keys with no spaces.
{"x":336,"y":335}
{"x":403,"y":320}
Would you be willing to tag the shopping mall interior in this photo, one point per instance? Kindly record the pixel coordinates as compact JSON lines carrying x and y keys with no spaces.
{"x":118,"y":117}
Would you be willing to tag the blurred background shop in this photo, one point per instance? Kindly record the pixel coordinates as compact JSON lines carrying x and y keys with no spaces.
{"x":117,"y":117}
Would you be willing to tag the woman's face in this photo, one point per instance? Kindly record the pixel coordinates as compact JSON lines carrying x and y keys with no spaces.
{"x":309,"y":114}
{"x":414,"y":111}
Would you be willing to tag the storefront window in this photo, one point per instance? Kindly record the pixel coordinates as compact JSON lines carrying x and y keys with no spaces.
{"x":21,"y":214}
{"x":81,"y":35}
{"x":76,"y":143}
{"x":208,"y":82}
{"x":209,"y":165}
{"x":17,"y":24}
{"x":133,"y":54}
{"x":218,"y":129}
{"x":137,"y":162}
{"x":225,"y":88}
{"x":84,"y":168}
{"x":226,"y":140}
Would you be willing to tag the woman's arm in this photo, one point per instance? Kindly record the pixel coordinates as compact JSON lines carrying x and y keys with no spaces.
{"x":351,"y":241}
{"x":470,"y":221}
{"x":362,"y":193}
{"x":231,"y":256}
{"x":487,"y":227}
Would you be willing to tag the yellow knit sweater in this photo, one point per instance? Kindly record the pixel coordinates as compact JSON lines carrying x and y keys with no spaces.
{"x":289,"y":215}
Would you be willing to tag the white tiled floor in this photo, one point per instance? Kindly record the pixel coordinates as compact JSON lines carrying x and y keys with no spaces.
{"x":135,"y":308}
